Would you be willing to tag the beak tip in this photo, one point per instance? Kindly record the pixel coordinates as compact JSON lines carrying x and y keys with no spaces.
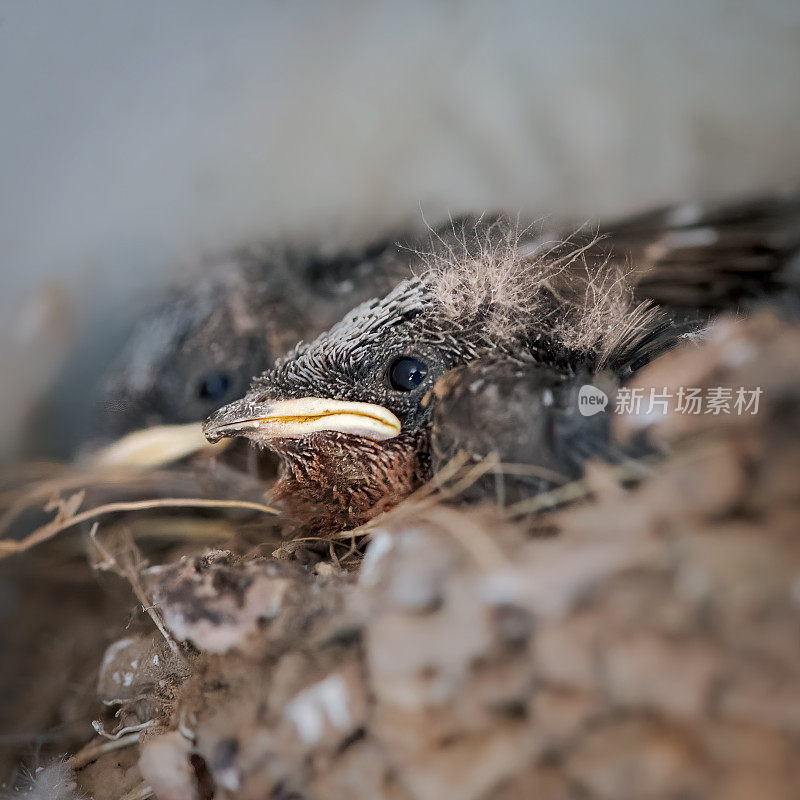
{"x":212,"y":436}
{"x":211,"y":427}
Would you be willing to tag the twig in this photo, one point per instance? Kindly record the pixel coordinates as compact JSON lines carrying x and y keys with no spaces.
{"x":509,"y":468}
{"x":577,"y":490}
{"x":56,"y":526}
{"x":471,"y":476}
{"x":70,"y":478}
{"x":130,"y":572}
{"x":95,"y":749}
{"x":127,"y":731}
{"x":545,"y":500}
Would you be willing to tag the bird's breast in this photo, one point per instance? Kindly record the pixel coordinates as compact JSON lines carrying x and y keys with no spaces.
{"x":332,"y":481}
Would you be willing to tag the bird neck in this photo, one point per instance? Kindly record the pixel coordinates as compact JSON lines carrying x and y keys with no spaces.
{"x":332,"y":482}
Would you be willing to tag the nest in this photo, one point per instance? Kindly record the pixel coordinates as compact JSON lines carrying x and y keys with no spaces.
{"x":632,"y":634}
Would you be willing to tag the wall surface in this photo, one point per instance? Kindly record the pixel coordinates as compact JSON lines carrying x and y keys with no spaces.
{"x":138,"y":137}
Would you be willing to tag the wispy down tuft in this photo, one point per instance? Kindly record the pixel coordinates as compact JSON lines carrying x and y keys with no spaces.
{"x":52,"y":781}
{"x":510,"y":283}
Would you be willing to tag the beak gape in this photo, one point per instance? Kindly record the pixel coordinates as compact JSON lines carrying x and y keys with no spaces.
{"x":285,"y":419}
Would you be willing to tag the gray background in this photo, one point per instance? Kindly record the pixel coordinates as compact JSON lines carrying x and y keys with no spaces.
{"x":138,"y":138}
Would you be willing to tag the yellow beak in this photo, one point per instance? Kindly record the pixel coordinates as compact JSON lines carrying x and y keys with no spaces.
{"x":300,"y":417}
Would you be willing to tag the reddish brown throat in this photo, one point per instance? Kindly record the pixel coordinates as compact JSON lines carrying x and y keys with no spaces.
{"x":343,"y":462}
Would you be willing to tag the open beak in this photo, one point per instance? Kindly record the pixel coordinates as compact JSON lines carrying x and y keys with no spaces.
{"x":284,"y":419}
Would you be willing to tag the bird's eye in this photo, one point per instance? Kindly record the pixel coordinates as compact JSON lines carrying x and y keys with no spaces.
{"x":406,"y":373}
{"x":214,"y":387}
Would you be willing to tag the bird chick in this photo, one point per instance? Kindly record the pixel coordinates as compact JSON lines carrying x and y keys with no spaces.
{"x":201,"y":346}
{"x":350,"y":414}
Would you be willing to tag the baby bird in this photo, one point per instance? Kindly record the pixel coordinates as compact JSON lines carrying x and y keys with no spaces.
{"x":201,"y":346}
{"x":486,"y":346}
{"x":351,"y":414}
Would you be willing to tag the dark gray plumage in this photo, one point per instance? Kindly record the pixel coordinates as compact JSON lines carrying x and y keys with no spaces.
{"x":201,"y":345}
{"x":535,"y":312}
{"x":354,"y":439}
{"x":537,"y":433}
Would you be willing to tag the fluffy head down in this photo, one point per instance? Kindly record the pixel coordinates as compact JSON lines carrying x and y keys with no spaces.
{"x":512,"y":284}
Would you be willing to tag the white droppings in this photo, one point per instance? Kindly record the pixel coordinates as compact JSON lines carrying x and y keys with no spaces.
{"x":116,"y":677}
{"x":696,"y":337}
{"x":127,"y":679}
{"x":155,"y":659}
{"x":113,"y":650}
{"x":135,"y":663}
{"x":324,"y":701}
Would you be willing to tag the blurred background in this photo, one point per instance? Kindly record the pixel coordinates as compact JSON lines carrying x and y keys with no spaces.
{"x":140,"y":140}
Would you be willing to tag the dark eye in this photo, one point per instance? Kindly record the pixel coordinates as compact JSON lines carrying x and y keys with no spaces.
{"x":214,"y":387}
{"x":406,"y":373}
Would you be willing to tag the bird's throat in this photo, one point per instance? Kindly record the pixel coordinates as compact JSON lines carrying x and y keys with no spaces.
{"x":332,"y":482}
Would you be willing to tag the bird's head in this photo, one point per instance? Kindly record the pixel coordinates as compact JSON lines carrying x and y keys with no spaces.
{"x":350,"y":414}
{"x":201,"y":346}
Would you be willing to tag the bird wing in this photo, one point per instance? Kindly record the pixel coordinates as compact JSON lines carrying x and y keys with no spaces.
{"x":526,"y":419}
{"x":712,"y":257}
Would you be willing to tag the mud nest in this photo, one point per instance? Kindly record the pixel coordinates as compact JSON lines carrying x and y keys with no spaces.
{"x":630,"y":635}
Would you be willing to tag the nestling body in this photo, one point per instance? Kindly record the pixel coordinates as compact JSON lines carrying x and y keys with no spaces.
{"x":351,"y":414}
{"x":357,"y":414}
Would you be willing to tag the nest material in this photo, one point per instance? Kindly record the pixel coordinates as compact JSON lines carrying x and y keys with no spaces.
{"x":640,"y":640}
